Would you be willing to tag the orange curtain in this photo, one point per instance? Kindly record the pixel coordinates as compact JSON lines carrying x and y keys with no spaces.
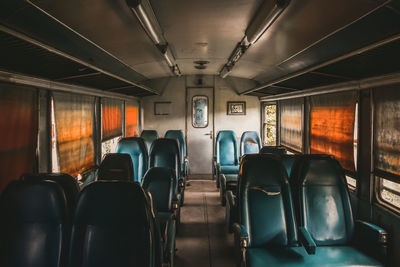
{"x":111,"y":118}
{"x":131,"y":120}
{"x":387,"y":129}
{"x":19,"y":129}
{"x":291,"y":117}
{"x":74,"y":116}
{"x":332,"y":127}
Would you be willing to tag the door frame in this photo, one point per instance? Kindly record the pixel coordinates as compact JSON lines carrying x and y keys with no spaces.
{"x":187,"y":88}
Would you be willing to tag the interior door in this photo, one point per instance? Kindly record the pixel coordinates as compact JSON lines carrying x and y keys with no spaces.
{"x":199,"y":134}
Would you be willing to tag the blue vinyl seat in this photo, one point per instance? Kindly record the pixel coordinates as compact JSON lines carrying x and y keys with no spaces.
{"x":114,"y":226}
{"x":33,"y":228}
{"x":116,"y":166}
{"x":226,"y":159}
{"x":323,"y":208}
{"x":66,"y":182}
{"x":178,"y":135}
{"x":265,"y":231}
{"x":149,"y":136}
{"x":250,"y":143}
{"x":136,"y":148}
{"x":161,"y":183}
{"x":164,"y":152}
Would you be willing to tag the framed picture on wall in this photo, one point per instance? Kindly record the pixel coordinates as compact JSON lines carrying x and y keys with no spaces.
{"x":236,"y":108}
{"x":162,"y":108}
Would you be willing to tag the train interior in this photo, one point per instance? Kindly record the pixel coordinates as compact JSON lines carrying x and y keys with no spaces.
{"x":199,"y":133}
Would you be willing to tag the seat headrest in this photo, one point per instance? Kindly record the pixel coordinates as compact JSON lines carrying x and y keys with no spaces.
{"x":132,"y":145}
{"x":175,"y":134}
{"x":226,"y":135}
{"x":116,"y":166}
{"x":33,"y":201}
{"x":262,"y":169}
{"x":112,"y":203}
{"x":160,"y":181}
{"x":149,"y":134}
{"x":164,"y":145}
{"x":277,"y":150}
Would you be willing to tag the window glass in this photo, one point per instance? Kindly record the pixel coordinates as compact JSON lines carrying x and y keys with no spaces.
{"x":111,"y":111}
{"x":109,"y":146}
{"x":18,"y":135}
{"x":200,"y":111}
{"x":387,"y":144}
{"x":291,"y":117}
{"x":131,"y":119}
{"x":73,"y":130}
{"x":332,"y":127}
{"x":270,"y":125}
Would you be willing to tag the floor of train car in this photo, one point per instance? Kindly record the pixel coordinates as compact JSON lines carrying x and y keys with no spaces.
{"x":203,"y":239}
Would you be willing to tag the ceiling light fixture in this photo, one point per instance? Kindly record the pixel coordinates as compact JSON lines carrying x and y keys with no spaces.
{"x":145,"y":14}
{"x":267,"y":14}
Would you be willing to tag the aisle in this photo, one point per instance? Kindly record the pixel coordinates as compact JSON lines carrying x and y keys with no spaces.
{"x":203,"y":239}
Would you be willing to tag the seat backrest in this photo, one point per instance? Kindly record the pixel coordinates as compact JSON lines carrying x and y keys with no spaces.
{"x":161,"y":183}
{"x":116,"y":166}
{"x":250,"y":143}
{"x":265,"y":201}
{"x":66,"y":182}
{"x":32,"y":225}
{"x":149,"y":136}
{"x":226,"y":148}
{"x":178,"y":135}
{"x":288,"y":161}
{"x":322,"y":199}
{"x":112,"y":226}
{"x":165,"y":153}
{"x":277,"y":150}
{"x":136,"y":148}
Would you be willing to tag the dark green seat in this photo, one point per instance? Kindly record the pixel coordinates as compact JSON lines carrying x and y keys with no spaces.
{"x":276,"y":150}
{"x":114,"y":226}
{"x":136,"y":148}
{"x":161,"y":183}
{"x":323,"y":208}
{"x":250,"y":143}
{"x":265,"y":231}
{"x":178,"y":135}
{"x":164,"y":152}
{"x":149,"y":136}
{"x":226,"y":159}
{"x":116,"y":166}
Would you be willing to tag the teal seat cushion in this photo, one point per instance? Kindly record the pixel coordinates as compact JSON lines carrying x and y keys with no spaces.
{"x":230,"y":169}
{"x":297,"y":256}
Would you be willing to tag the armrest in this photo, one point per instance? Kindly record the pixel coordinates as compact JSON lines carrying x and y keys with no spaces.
{"x":241,"y":232}
{"x":231,"y":199}
{"x":372,"y":238}
{"x":307,"y":241}
{"x":222,"y":180}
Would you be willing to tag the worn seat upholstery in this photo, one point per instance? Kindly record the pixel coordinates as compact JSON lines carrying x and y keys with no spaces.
{"x":136,"y":148}
{"x":324,"y":210}
{"x":178,"y":135}
{"x":265,"y":230}
{"x":116,"y":166}
{"x":66,"y":182}
{"x":250,"y":143}
{"x":165,"y":153}
{"x":226,"y":159}
{"x":114,"y":226}
{"x":161,"y":183}
{"x":32,"y":225}
{"x":149,"y":136}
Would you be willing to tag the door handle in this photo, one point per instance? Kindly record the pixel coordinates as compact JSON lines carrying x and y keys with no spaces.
{"x":210,"y":134}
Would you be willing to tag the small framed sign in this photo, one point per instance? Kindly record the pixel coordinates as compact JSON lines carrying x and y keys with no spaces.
{"x":236,"y":108}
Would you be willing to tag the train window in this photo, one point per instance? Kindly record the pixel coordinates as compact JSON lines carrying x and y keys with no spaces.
{"x":73,"y":123}
{"x":332,"y":127}
{"x":200,"y":111}
{"x":387,"y":145}
{"x":111,"y":114}
{"x":131,"y":119}
{"x":18,"y":135}
{"x":269,"y":126}
{"x":291,"y":117}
